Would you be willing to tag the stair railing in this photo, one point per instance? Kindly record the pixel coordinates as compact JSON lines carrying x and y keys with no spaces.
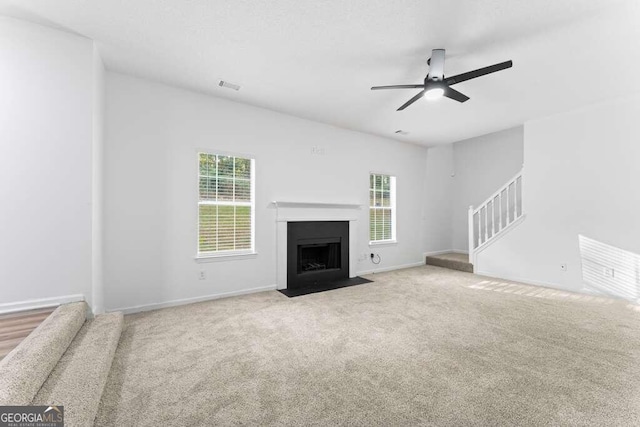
{"x":495,"y":215}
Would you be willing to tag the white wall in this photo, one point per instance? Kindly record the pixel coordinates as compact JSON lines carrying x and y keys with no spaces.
{"x":481,"y":165}
{"x":46,"y":112}
{"x":581,"y":177}
{"x":437,"y":199}
{"x":153,"y":133}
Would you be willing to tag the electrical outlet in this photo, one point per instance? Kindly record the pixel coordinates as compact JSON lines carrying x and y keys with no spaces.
{"x":563,"y":267}
{"x":608,"y":272}
{"x":202,"y":275}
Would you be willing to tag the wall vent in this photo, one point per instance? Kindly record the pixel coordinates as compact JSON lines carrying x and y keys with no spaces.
{"x":223,"y":83}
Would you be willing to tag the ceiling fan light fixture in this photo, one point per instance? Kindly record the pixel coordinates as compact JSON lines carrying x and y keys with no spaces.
{"x":433,"y":93}
{"x":435,"y":84}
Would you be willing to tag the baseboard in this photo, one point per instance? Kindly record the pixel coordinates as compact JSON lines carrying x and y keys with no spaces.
{"x":583,"y":290}
{"x":396,"y":267}
{"x":33,"y":304}
{"x":446,"y":251}
{"x":433,"y":253}
{"x":177,"y":302}
{"x":526,"y":281}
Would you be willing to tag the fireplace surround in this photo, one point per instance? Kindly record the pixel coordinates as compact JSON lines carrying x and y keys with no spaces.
{"x":286,"y":212}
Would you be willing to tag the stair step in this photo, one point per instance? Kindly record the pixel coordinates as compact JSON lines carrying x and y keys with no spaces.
{"x":452,"y":261}
{"x":26,"y":367}
{"x":78,"y":380}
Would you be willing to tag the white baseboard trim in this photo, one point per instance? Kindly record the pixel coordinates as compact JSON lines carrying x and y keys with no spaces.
{"x":445,"y":251}
{"x":460,"y":251}
{"x":12,"y":307}
{"x":432,"y":253}
{"x":526,"y":281}
{"x":583,"y":289}
{"x":184,"y":301}
{"x":395,"y":267}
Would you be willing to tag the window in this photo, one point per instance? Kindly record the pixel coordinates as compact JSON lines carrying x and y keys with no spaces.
{"x":225,"y":205}
{"x":382,"y":208}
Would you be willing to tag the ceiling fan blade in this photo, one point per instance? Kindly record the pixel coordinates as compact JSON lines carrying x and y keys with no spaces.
{"x":436,"y":65}
{"x":454,"y":94}
{"x":411,"y":101}
{"x":478,"y":73}
{"x":398,"y":87}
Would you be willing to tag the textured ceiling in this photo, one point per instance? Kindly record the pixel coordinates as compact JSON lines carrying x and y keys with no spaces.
{"x":318,"y":59}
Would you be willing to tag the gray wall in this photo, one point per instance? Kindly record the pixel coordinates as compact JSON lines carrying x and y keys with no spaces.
{"x":481,"y":166}
{"x":438,"y":191}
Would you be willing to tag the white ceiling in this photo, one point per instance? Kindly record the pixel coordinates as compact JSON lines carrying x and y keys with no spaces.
{"x":317,"y":59}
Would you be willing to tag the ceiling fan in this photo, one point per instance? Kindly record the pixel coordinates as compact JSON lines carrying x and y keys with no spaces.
{"x":437,"y":85}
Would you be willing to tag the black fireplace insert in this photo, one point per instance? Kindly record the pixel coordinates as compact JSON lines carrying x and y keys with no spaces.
{"x":317,"y":253}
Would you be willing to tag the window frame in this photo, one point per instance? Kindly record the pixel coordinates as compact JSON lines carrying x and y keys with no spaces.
{"x":392,"y":206}
{"x":233,"y":253}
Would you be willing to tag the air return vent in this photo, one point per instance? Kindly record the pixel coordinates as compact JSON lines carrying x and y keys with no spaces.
{"x":223,"y":83}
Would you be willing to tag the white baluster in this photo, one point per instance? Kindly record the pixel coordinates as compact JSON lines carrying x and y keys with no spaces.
{"x":508,"y":204}
{"x":515,"y":199}
{"x":486,"y":219}
{"x":493,"y":217}
{"x":471,"y":233}
{"x":477,"y":230}
{"x":520,"y":200}
{"x":500,"y":211}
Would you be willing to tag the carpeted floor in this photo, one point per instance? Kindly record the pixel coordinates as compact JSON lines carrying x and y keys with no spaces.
{"x":422,"y":346}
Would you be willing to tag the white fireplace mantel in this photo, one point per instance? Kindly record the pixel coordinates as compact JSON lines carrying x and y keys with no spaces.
{"x":280,"y":204}
{"x":311,"y":211}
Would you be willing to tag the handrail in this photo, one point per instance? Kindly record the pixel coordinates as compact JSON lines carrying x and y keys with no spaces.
{"x":485,"y":224}
{"x":494,"y":195}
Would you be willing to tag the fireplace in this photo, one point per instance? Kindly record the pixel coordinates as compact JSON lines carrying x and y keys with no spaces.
{"x":317,"y":253}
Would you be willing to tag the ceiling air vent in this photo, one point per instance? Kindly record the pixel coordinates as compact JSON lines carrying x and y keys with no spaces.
{"x":228,"y":85}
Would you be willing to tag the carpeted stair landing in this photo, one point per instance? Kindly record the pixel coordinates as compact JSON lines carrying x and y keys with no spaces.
{"x":452,"y":261}
{"x":65,"y":362}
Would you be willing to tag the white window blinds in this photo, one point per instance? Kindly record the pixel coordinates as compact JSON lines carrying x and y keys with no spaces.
{"x":225,"y":205}
{"x":382,"y":201}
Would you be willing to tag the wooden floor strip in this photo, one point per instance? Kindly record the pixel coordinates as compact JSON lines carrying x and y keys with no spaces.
{"x":15,"y":327}
{"x":28,"y":313}
{"x":12,"y":324}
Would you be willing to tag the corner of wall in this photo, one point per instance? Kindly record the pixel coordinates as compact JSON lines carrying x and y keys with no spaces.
{"x":97,"y":231}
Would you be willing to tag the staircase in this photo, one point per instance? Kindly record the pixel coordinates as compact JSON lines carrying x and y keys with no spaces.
{"x":495,"y":216}
{"x":492,"y":219}
{"x":65,"y":361}
{"x":452,"y":261}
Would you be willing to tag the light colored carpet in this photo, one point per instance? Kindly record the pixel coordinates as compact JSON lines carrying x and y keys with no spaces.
{"x":422,"y":346}
{"x":453,"y":261}
{"x":25,"y":369}
{"x":78,"y":380}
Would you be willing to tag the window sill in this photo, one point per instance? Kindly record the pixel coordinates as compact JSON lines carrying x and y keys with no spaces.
{"x":225,"y":257}
{"x":384,"y":243}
